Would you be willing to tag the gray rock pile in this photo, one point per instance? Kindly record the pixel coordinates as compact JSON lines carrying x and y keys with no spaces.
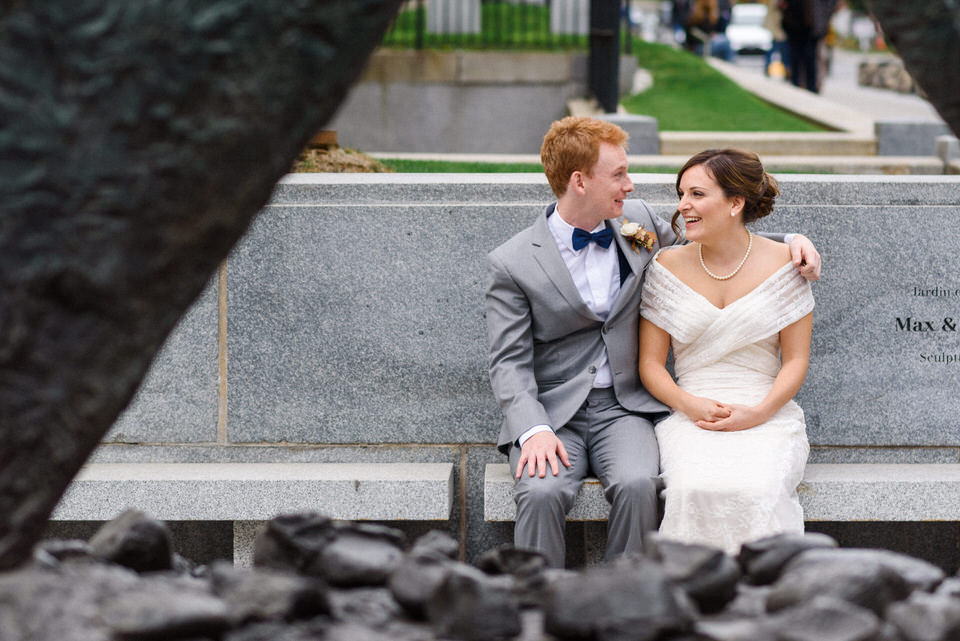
{"x":318,"y":579}
{"x":887,"y":74}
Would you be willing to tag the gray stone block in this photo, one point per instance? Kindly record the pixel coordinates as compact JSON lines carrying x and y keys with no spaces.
{"x":244,"y":532}
{"x":423,"y":453}
{"x":643,"y":131}
{"x":884,"y":455}
{"x":829,"y":492}
{"x":454,"y":118}
{"x":871,"y":380}
{"x":863,"y":492}
{"x":908,"y":137}
{"x":462,"y":101}
{"x":292,"y":284}
{"x":260,"y":491}
{"x":178,"y":401}
{"x":371,"y":340}
{"x":482,"y":535}
{"x":405,"y":191}
{"x":947,"y":148}
{"x":245,"y":535}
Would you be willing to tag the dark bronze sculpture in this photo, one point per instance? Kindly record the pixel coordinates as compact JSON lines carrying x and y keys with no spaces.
{"x":927,"y":37}
{"x":137,"y":142}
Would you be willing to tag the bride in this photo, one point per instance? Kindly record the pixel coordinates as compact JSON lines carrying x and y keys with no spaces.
{"x":738,"y":317}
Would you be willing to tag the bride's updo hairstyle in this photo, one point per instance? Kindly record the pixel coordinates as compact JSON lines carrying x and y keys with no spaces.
{"x":738,"y":173}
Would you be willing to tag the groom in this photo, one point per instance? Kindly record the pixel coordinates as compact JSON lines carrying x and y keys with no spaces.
{"x":562,"y":303}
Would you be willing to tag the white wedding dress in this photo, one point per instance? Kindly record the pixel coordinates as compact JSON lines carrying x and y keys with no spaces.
{"x":727,"y":488}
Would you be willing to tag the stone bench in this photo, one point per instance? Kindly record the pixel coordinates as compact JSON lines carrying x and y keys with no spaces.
{"x":829,"y":492}
{"x":250,"y":493}
{"x":401,"y":312}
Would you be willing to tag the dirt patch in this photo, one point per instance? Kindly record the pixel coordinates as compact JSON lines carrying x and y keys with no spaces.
{"x":338,"y":160}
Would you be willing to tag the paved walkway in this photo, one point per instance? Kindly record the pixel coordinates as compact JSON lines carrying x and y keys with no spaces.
{"x":841,"y":88}
{"x":842,"y":103}
{"x":879,"y":104}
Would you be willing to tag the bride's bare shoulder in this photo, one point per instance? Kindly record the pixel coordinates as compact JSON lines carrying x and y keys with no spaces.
{"x":674,"y":257}
{"x":774,"y":254}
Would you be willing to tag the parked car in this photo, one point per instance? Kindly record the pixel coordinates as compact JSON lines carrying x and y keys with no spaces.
{"x":746,"y":32}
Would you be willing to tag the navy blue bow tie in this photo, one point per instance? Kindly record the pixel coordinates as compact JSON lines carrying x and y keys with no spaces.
{"x":582,"y":238}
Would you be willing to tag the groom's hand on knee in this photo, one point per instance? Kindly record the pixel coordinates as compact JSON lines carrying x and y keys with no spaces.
{"x":540,"y":450}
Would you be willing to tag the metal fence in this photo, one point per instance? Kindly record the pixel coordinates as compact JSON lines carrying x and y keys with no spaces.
{"x":507,"y":24}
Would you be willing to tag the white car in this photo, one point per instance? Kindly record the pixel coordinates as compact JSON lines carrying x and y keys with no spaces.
{"x":746,"y":32}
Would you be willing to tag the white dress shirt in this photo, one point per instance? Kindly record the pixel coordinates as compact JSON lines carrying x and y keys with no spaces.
{"x":596,"y":273}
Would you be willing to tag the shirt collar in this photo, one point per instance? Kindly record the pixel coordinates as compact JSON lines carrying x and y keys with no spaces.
{"x":563,"y":231}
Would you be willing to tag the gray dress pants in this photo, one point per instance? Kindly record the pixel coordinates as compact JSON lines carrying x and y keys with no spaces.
{"x":620,"y":449}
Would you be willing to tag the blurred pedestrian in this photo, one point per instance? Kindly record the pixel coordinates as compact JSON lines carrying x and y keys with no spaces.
{"x":706,"y":26}
{"x":679,"y":12}
{"x":806,"y":23}
{"x":773,"y":22}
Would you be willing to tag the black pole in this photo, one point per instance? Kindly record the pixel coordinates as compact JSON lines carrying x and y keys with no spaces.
{"x":421,"y":17}
{"x":605,"y":52}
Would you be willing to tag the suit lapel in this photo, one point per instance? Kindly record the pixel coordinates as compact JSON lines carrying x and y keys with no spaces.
{"x":547,"y":255}
{"x":636,"y":261}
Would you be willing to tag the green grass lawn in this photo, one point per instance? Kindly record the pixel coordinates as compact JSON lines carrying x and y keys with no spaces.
{"x":690,"y":95}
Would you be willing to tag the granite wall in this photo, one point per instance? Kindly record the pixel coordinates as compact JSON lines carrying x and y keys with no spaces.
{"x":463,"y":101}
{"x":348,"y":326}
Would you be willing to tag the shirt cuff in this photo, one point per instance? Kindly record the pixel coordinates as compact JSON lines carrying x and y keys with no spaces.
{"x":788,"y":238}
{"x":533,"y":430}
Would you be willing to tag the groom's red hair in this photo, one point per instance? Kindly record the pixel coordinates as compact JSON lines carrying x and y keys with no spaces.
{"x":573,"y":144}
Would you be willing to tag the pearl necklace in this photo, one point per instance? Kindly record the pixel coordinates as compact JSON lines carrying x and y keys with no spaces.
{"x":734,"y":272}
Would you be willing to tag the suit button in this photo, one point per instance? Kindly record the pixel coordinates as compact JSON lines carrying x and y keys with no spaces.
{"x":606,"y":329}
{"x":592,"y":369}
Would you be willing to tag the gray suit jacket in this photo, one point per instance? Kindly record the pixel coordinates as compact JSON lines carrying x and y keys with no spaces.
{"x":545,"y":343}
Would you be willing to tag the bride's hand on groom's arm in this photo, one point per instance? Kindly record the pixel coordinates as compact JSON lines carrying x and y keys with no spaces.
{"x":540,"y":450}
{"x":805,"y":257}
{"x":741,"y":417}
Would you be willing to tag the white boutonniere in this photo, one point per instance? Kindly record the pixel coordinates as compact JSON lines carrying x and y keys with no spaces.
{"x":638,"y":235}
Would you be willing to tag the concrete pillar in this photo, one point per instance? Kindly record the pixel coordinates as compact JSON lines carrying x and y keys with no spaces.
{"x":570,"y":17}
{"x":453,"y":16}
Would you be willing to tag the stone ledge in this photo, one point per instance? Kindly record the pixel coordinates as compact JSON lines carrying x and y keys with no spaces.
{"x":406,"y":191}
{"x":829,"y":492}
{"x":392,"y":66}
{"x":260,"y":491}
{"x":687,"y":143}
{"x":881,"y":492}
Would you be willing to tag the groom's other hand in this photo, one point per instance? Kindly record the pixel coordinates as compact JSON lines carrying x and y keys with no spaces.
{"x":805,"y":257}
{"x":539,"y":450}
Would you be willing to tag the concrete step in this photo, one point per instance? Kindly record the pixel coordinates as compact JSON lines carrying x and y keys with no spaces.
{"x":687,"y":143}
